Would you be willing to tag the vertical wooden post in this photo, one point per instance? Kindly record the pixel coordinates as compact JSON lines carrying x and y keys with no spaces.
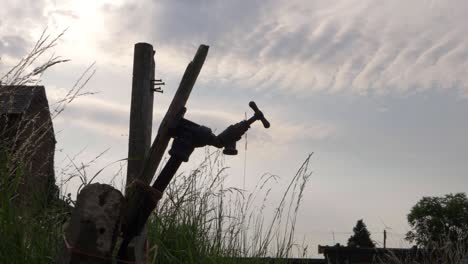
{"x":141,"y":109}
{"x":141,"y":115}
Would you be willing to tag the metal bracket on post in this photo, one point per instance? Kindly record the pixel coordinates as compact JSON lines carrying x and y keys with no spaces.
{"x":157,"y":82}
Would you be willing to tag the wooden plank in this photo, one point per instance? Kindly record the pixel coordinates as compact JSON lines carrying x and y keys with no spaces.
{"x":141,"y":123}
{"x":178,"y":103}
{"x":141,"y":109}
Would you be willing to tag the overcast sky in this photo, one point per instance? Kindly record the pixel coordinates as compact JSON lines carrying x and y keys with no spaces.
{"x":376,"y":89}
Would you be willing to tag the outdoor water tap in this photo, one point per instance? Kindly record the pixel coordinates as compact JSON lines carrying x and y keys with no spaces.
{"x":190,"y":135}
{"x":233,"y":133}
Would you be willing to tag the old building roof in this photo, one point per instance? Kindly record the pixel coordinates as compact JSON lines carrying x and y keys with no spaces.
{"x":17,"y":99}
{"x":343,"y":254}
{"x":344,"y":250}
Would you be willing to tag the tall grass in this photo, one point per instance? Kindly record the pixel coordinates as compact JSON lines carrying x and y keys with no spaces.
{"x":198,"y":221}
{"x":30,"y":232}
{"x":28,"y":235}
{"x":202,"y":221}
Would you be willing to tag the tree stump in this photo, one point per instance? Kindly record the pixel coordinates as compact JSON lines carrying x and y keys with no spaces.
{"x":94,"y":226}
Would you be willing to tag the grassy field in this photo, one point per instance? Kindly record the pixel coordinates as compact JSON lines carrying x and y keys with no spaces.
{"x":198,"y":221}
{"x":202,"y":221}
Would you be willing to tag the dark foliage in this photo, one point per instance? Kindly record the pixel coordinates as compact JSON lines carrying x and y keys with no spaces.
{"x":437,"y":220}
{"x":361,"y":236}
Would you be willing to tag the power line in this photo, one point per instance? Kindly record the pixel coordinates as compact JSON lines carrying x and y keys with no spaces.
{"x":245,"y":153}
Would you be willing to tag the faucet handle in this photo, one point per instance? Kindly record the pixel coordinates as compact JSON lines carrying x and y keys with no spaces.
{"x":259,"y":115}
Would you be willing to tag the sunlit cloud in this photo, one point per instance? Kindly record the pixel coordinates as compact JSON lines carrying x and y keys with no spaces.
{"x":356,"y":47}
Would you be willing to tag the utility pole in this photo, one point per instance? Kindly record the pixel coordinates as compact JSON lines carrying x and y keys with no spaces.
{"x":384,"y":238}
{"x":141,"y":117}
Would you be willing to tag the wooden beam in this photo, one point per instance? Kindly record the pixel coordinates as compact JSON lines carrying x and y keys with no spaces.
{"x":141,"y":120}
{"x":141,"y":109}
{"x":180,"y":98}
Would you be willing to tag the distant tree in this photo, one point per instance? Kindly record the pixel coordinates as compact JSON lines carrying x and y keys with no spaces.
{"x":436,"y":220}
{"x":361,"y":236}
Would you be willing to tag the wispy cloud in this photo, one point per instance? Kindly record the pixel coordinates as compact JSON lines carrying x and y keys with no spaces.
{"x":357,"y":47}
{"x":302,"y":47}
